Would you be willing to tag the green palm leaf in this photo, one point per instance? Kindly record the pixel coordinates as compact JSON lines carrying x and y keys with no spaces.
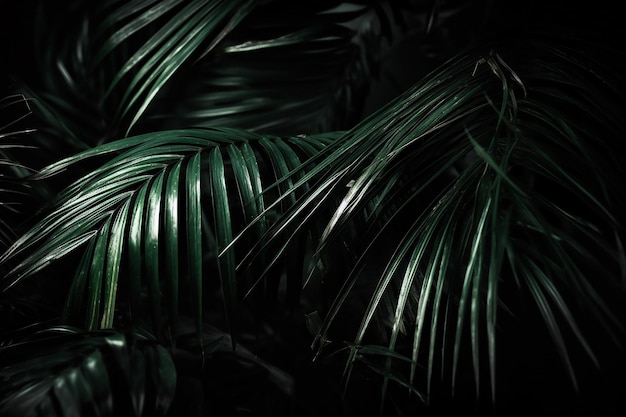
{"x":62,"y":371}
{"x":478,"y":180}
{"x":107,"y":64}
{"x":188,"y":27}
{"x":492,"y":187}
{"x":147,"y":65}
{"x":150,"y":214}
{"x":318,"y":60}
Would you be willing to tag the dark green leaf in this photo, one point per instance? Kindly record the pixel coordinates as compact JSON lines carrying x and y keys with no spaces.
{"x":76,"y":373}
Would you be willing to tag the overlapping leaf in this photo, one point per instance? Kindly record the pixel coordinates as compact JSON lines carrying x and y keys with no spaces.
{"x":190,"y":29}
{"x":475,"y":179}
{"x":62,"y":372}
{"x":493,"y":173}
{"x":277,"y":75}
{"x":108,"y":62}
{"x":150,"y":216}
{"x":285,"y":76}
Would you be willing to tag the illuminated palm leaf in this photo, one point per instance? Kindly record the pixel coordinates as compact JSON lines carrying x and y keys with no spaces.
{"x":486,"y":174}
{"x":183,"y":34}
{"x":152,"y":213}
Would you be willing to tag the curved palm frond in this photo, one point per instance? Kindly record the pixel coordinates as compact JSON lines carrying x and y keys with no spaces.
{"x":153,"y":214}
{"x":489,"y":177}
{"x":184,"y":33}
{"x":62,"y":371}
{"x":287,"y":76}
{"x":280,"y":75}
{"x":486,"y":202}
{"x":108,"y":63}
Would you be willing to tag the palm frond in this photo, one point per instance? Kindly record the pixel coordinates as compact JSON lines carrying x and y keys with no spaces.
{"x":154,"y":214}
{"x":310,"y":78}
{"x":62,"y":371}
{"x":480,"y":177}
{"x":182,"y":35}
{"x":106,"y":64}
{"x":290,"y":76}
{"x":481,"y":211}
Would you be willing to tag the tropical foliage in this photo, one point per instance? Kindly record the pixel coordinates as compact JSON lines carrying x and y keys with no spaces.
{"x":275,"y":207}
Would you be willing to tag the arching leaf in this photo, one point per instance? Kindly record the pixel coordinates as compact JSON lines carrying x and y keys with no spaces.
{"x":454,"y":179}
{"x":127,"y":216}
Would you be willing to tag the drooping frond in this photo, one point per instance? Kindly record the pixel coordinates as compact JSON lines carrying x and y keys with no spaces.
{"x":496,"y":171}
{"x":179,"y":32}
{"x":485,"y":202}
